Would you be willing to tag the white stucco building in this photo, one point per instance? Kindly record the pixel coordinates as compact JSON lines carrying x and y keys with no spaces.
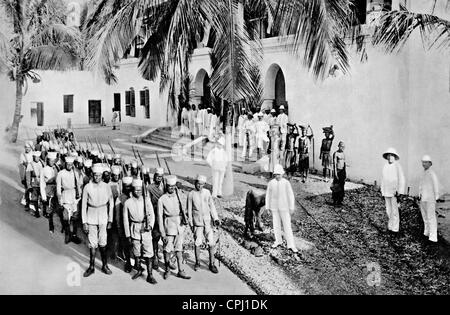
{"x":400,"y":100}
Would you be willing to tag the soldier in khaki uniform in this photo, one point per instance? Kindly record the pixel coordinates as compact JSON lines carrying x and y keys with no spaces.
{"x":48,"y":189}
{"x":97,"y":215}
{"x":33,"y":176}
{"x":68,"y":192}
{"x":172,"y":226}
{"x":201,"y":211}
{"x":156,"y":190}
{"x":138,"y":221}
{"x":124,"y":245}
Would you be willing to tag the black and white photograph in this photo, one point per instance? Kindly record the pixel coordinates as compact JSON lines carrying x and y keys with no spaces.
{"x":225,"y":151}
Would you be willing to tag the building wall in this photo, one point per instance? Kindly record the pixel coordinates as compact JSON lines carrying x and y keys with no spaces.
{"x":390,"y":101}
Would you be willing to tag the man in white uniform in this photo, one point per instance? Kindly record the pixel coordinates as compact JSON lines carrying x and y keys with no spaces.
{"x":429,"y":194}
{"x":282,"y":121}
{"x":261,"y":129}
{"x":218,"y":160}
{"x":280,"y":200}
{"x":392,"y":185}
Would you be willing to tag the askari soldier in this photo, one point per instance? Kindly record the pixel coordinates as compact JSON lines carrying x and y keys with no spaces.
{"x":289,"y":158}
{"x":97,"y":216}
{"x":138,"y":221}
{"x":68,"y":192}
{"x":202,"y":213}
{"x":33,"y":182}
{"x":156,"y":190}
{"x":172,"y":226}
{"x":48,"y":189}
{"x":123,"y":247}
{"x":26,"y":158}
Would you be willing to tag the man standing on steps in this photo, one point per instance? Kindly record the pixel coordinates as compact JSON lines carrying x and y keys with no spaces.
{"x":218,"y":160}
{"x":249,"y":137}
{"x":283,"y":121}
{"x":240,"y":127}
{"x":261,"y":129}
{"x":138,"y":221}
{"x":156,"y":190}
{"x":97,"y":215}
{"x":201,"y":213}
{"x":172,"y":226}
{"x":68,"y":192}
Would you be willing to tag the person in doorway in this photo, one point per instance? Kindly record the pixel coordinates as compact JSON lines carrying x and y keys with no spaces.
{"x":392,"y":186}
{"x":282,"y":121}
{"x":429,"y":195}
{"x":280,"y":200}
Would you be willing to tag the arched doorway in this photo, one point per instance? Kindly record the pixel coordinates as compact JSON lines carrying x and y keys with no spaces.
{"x":275,"y":88}
{"x":202,"y":89}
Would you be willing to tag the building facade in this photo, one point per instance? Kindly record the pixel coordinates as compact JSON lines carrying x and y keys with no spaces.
{"x":400,"y":100}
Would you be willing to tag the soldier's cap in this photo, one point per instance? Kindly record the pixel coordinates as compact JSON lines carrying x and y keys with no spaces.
{"x":278,"y":170}
{"x":80,"y":159}
{"x":95,"y":153}
{"x":88,"y":163}
{"x":137,"y":183}
{"x":201,"y":179}
{"x":116,"y":170}
{"x":37,"y":153}
{"x":159,"y":171}
{"x":127,"y":181}
{"x":63,"y":151}
{"x":427,"y":158}
{"x":98,"y":169}
{"x":273,"y":111}
{"x":109,"y":157}
{"x":29,"y":144}
{"x":145,"y":170}
{"x":106,"y":168}
{"x":117,"y":156}
{"x":171,"y":180}
{"x":74,"y":154}
{"x":70,"y":160}
{"x":52,"y":155}
{"x":282,"y":107}
{"x":101,"y":156}
{"x":134,"y":164}
{"x":221,"y":141}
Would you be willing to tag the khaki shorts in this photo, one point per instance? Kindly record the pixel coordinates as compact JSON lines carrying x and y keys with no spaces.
{"x":97,"y":236}
{"x":174,"y":243}
{"x":204,"y":231}
{"x":143,"y":247}
{"x":70,"y":211}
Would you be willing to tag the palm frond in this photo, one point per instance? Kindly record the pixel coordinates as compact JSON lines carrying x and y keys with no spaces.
{"x":55,"y":34}
{"x":231,"y":79}
{"x":108,"y":45}
{"x":48,"y":57}
{"x":14,"y":9}
{"x":396,"y":27}
{"x":317,"y":27}
{"x":5,"y":53}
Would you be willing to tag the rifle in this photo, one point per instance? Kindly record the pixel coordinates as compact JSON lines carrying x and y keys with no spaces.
{"x":184,"y":218}
{"x":111,"y":147}
{"x":134,"y":152}
{"x":144,"y":195}
{"x":157,"y":157}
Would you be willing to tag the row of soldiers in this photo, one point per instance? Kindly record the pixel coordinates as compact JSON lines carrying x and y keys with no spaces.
{"x":120,"y":207}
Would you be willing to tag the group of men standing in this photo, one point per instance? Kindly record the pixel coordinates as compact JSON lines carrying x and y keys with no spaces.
{"x":122,"y":210}
{"x":199,"y":121}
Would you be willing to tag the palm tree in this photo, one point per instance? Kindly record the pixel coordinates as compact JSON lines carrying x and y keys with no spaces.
{"x":395,"y":28}
{"x":38,"y":40}
{"x":313,"y":28}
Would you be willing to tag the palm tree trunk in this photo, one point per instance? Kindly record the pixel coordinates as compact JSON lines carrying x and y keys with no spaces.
{"x":18,"y":109}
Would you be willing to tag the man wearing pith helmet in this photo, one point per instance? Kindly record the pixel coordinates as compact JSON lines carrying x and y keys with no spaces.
{"x":171,"y":226}
{"x":97,"y":215}
{"x":202,"y":213}
{"x":138,"y":221}
{"x":392,"y":186}
{"x":429,"y":195}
